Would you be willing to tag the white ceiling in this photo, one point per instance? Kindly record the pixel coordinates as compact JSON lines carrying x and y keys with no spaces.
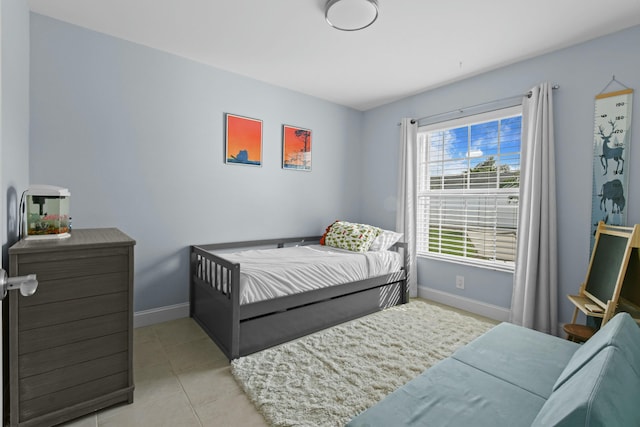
{"x":415,"y":45}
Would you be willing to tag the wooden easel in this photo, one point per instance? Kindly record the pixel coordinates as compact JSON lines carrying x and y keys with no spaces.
{"x":614,"y":270}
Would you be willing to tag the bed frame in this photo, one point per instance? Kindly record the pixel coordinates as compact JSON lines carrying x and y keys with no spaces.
{"x":240,"y":330}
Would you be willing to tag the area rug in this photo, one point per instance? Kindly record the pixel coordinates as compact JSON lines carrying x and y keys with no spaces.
{"x":327,"y":378}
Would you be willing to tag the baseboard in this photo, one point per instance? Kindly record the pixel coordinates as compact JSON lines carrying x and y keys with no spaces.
{"x":160,"y":314}
{"x":491,"y":311}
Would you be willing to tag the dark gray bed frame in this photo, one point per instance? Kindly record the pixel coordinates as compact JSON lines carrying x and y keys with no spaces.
{"x":240,"y":330}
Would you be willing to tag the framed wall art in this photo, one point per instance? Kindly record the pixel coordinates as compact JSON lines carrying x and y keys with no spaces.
{"x":243,"y":140}
{"x":296,"y":148}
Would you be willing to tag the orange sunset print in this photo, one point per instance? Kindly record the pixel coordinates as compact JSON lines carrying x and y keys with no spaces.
{"x":244,"y":140}
{"x":296,"y":148}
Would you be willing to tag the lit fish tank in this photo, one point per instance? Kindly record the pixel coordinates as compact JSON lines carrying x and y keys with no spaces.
{"x":47,"y":212}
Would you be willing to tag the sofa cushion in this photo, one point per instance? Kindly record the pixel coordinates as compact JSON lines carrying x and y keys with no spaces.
{"x":621,"y":331}
{"x":526,"y":358}
{"x":452,"y":393}
{"x":604,"y":392}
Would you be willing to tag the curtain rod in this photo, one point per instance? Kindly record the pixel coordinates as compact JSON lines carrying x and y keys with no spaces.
{"x":461,"y":110}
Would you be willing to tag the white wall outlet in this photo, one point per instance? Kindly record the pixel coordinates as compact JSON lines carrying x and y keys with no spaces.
{"x":460,"y":282}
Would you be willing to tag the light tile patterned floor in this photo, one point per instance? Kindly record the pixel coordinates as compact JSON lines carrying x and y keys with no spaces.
{"x":182,"y":379}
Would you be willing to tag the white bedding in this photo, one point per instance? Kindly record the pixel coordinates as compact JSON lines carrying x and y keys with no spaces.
{"x":271,"y":273}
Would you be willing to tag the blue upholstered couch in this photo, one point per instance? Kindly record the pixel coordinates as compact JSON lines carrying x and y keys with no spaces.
{"x":513,"y":376}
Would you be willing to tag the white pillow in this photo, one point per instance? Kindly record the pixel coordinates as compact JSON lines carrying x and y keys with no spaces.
{"x":385,"y":240}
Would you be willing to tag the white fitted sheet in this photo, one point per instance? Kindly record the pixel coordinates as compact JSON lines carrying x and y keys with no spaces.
{"x":272,"y":273}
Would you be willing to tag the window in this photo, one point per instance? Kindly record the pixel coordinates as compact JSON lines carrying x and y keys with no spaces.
{"x":468,"y":188}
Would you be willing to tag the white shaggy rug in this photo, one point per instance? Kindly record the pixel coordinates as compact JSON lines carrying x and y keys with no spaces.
{"x":327,"y":378}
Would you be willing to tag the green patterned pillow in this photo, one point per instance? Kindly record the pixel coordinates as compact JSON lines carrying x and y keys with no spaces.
{"x":351,"y":236}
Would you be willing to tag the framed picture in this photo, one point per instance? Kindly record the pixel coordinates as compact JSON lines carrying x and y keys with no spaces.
{"x":243,"y":140}
{"x":296,"y":148}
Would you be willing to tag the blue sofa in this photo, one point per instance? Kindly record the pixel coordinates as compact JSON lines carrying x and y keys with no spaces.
{"x":512,"y":376}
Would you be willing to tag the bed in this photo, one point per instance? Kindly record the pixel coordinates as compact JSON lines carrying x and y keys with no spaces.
{"x":242,"y":321}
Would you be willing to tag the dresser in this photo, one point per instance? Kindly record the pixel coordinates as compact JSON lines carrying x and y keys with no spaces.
{"x":71,"y":343}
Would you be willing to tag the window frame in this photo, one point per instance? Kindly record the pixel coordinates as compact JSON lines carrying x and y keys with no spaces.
{"x":424,"y":190}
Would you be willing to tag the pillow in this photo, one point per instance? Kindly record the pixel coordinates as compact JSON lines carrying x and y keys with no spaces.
{"x":324,"y":236}
{"x":385,"y":240}
{"x":351,"y":236}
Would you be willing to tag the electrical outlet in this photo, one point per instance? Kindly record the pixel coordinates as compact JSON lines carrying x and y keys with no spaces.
{"x":460,"y":282}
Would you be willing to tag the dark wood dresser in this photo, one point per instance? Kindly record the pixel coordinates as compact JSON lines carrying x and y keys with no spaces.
{"x":71,"y":343}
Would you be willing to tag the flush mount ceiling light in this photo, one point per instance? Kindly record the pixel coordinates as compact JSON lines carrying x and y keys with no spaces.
{"x":351,"y":15}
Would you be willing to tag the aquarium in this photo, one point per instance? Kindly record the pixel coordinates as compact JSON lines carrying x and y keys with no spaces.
{"x":47,"y":212}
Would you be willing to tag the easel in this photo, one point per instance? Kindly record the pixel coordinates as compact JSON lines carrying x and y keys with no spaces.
{"x":614,"y":270}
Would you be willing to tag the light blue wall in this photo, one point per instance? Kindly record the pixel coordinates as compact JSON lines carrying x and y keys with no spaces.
{"x":582,"y":72}
{"x":137,"y":136}
{"x":14,"y":120}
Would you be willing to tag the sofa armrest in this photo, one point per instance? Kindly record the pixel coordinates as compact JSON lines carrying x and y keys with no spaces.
{"x":621,"y":332}
{"x":602,"y":393}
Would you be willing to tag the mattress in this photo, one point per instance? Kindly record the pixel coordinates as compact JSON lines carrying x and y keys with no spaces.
{"x":273,"y":273}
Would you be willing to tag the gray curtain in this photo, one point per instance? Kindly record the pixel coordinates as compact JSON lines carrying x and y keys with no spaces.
{"x":535,"y":291}
{"x":407,"y":197}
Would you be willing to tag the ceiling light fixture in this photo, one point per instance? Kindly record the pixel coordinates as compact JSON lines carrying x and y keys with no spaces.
{"x":351,"y":15}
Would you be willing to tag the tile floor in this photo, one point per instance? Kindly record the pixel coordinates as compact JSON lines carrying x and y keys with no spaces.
{"x":181,"y":379}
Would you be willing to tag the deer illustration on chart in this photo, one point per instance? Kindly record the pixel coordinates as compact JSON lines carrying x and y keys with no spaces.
{"x":609,"y":153}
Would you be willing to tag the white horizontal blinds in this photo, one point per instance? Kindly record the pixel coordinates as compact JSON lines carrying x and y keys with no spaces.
{"x":469,"y":174}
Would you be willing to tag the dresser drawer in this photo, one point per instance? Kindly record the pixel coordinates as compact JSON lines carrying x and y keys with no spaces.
{"x":67,"y":333}
{"x":52,"y":255}
{"x":74,"y":288}
{"x":71,"y":376}
{"x":68,"y":355}
{"x":51,"y":403}
{"x":38,"y":316}
{"x":76,"y":267}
